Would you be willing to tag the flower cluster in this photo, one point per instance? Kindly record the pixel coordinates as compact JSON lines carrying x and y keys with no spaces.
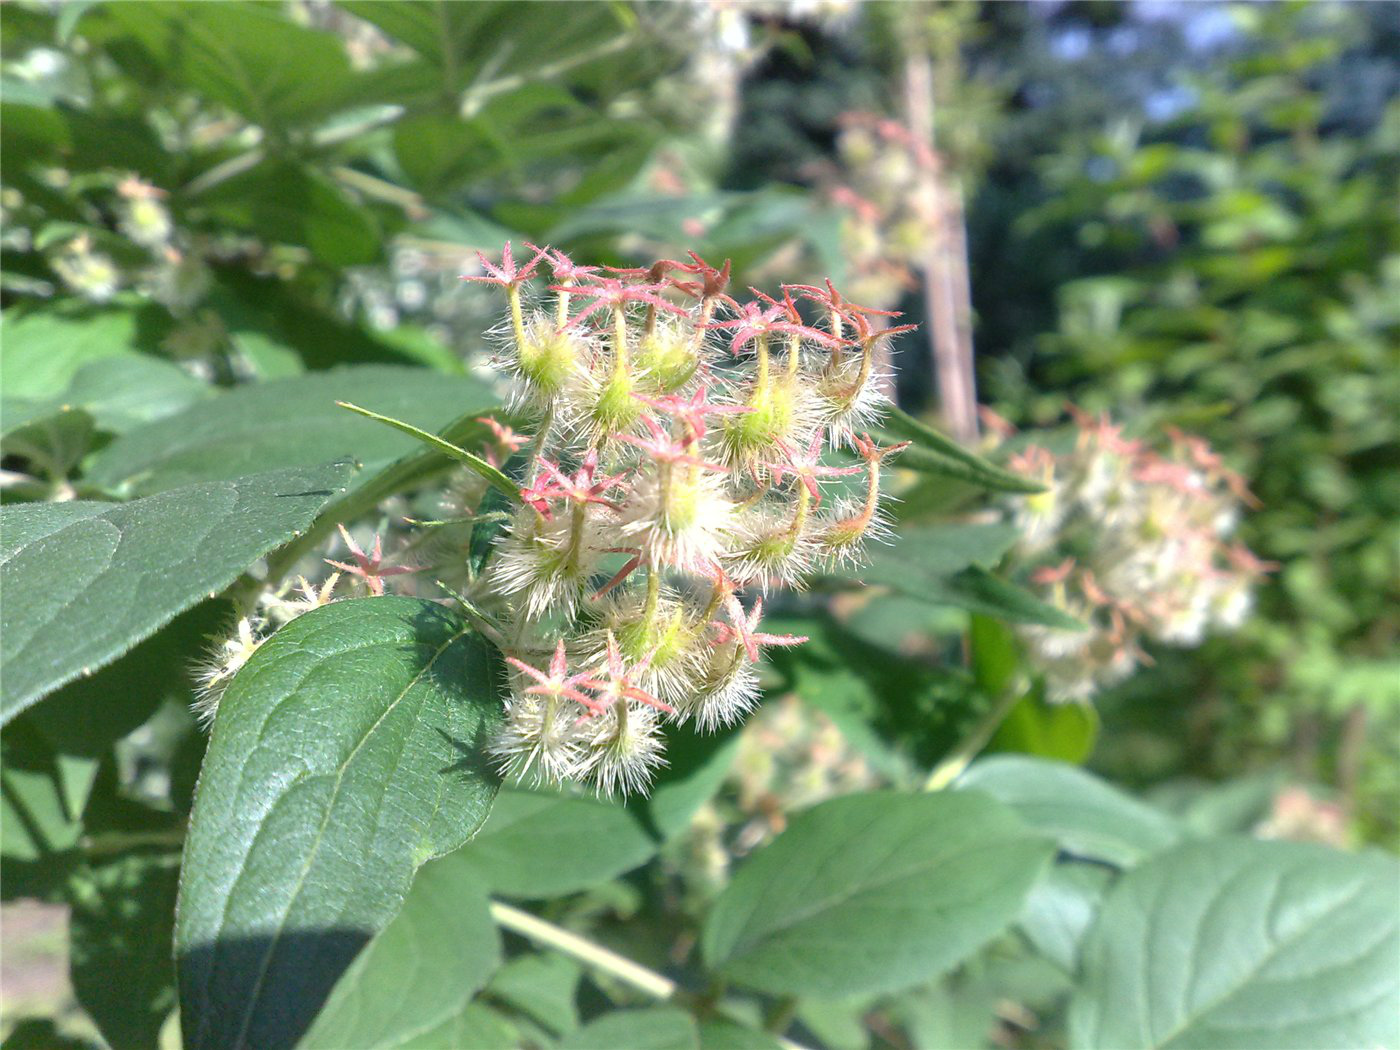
{"x":678,"y":464}
{"x":888,"y":223}
{"x":1134,"y":544}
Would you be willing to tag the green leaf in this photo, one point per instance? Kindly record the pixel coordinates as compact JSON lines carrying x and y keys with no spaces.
{"x":45,"y":349}
{"x":121,"y":922}
{"x":420,"y":972}
{"x":935,"y":453}
{"x":38,"y":822}
{"x":658,"y":1028}
{"x":474,"y":1027}
{"x":977,"y":590}
{"x":287,"y":203}
{"x":88,"y":715}
{"x":1088,"y":817}
{"x":286,"y":423}
{"x":272,"y":320}
{"x":720,"y":1033}
{"x":347,"y":752}
{"x":542,"y":987}
{"x":948,"y":1015}
{"x":84,"y":582}
{"x":248,"y":57}
{"x":696,"y":767}
{"x":995,"y":655}
{"x":1061,"y":908}
{"x":518,"y":849}
{"x":934,"y":552}
{"x":1066,"y":732}
{"x":474,"y":463}
{"x":1234,"y":943}
{"x":947,"y":564}
{"x":873,"y":892}
{"x":52,"y":438}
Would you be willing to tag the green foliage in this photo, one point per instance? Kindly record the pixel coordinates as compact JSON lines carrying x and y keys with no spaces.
{"x":1236,"y":943}
{"x":1244,"y":287}
{"x":222,"y":219}
{"x":382,"y":707}
{"x":284,"y":423}
{"x":518,"y":848}
{"x":1087,"y":817}
{"x":415,"y":981}
{"x":899,"y":887}
{"x":655,"y":1029}
{"x":112,"y":574}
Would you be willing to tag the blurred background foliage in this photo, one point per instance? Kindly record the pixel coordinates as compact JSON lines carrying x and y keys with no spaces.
{"x":1179,"y":214}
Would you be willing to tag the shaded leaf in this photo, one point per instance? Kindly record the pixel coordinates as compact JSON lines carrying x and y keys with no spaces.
{"x":245,"y":56}
{"x":873,"y":892}
{"x":542,"y":987}
{"x":719,"y":1033}
{"x":84,"y":582}
{"x":45,"y":349}
{"x":1066,"y":732}
{"x":346,"y":753}
{"x":122,"y":920}
{"x":1060,"y":909}
{"x":420,"y":972}
{"x":286,"y":203}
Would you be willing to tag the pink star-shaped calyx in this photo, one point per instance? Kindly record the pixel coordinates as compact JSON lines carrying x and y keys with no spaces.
{"x":768,"y":316}
{"x":605,"y":293}
{"x":744,"y":628}
{"x":712,"y":282}
{"x":807,"y":467}
{"x":506,"y":275}
{"x":506,"y":441}
{"x":872,"y":453}
{"x":618,"y":687}
{"x":663,"y":448}
{"x":691,"y":411}
{"x":561,"y":266}
{"x":584,"y":486}
{"x":369,"y":567}
{"x":558,"y":683}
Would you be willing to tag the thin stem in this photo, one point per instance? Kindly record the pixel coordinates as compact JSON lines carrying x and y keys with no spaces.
{"x":517,"y":319}
{"x":649,"y":982}
{"x":620,"y":359}
{"x":951,"y":767}
{"x":585,"y":951}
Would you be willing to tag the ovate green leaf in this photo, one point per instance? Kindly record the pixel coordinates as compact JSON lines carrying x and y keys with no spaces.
{"x":347,"y":752}
{"x":935,"y":453}
{"x":536,"y":844}
{"x":421,"y":971}
{"x":84,"y":582}
{"x":287,"y":423}
{"x":873,"y":892}
{"x":1089,"y":817}
{"x":658,"y":1028}
{"x":1233,"y":943}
